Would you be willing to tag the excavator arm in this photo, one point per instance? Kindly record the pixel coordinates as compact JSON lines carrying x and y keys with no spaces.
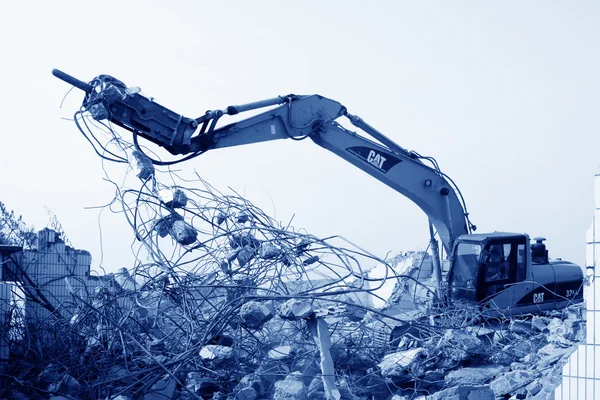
{"x":293,"y":117}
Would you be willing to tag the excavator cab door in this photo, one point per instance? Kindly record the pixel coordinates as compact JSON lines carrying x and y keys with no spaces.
{"x":502,"y":263}
{"x":498,"y":268}
{"x":464,"y":273}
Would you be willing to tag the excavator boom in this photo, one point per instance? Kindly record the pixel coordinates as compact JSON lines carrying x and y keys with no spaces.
{"x":293,"y":117}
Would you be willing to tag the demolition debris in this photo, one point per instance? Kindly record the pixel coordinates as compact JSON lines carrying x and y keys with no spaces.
{"x":224,"y":302}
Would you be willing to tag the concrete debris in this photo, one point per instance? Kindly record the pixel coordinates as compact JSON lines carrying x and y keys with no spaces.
{"x":141,"y":165}
{"x":433,"y":377}
{"x":173,"y":197}
{"x":540,"y":324}
{"x":465,"y":393}
{"x":184,"y":233}
{"x":216,"y":352}
{"x":401,"y":364}
{"x":462,"y":340}
{"x":520,"y":327}
{"x":280,"y":352}
{"x":245,"y":254}
{"x":125,"y":280}
{"x":295,"y":309}
{"x":220,"y":218}
{"x":269,"y":251}
{"x":242,"y":217}
{"x":246,"y":393}
{"x":249,"y":388}
{"x":533,"y":388}
{"x":174,"y":225}
{"x":241,"y":306}
{"x":472,"y":375}
{"x":510,"y":382}
{"x":456,"y":346}
{"x":255,"y":314}
{"x":558,"y":332}
{"x":291,"y":388}
{"x":164,"y":225}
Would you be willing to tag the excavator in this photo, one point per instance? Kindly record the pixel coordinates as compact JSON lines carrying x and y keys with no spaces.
{"x":503,"y":274}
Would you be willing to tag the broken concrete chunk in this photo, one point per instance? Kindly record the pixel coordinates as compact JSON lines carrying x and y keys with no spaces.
{"x":433,"y":376}
{"x":268,"y":251}
{"x":246,"y":393}
{"x":183,"y":233}
{"x":216,"y":352}
{"x":164,"y":225}
{"x":242,"y":240}
{"x":242,"y":217}
{"x":564,"y":333}
{"x":220,"y":217}
{"x":280,"y":352}
{"x":472,"y":375}
{"x":295,"y":309}
{"x":173,"y":198}
{"x":510,"y":382}
{"x":519,"y":349}
{"x":125,"y":280}
{"x":464,"y":393}
{"x":249,"y":388}
{"x":291,"y":388}
{"x":520,"y":327}
{"x":255,"y":314}
{"x":141,"y":165}
{"x":462,"y":340}
{"x":551,"y":353}
{"x":534,"y":388}
{"x":540,"y":323}
{"x":303,"y":245}
{"x":245,"y":255}
{"x":400,"y":364}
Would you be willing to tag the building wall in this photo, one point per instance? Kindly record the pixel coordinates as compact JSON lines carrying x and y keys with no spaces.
{"x":56,"y":271}
{"x":581,"y":375}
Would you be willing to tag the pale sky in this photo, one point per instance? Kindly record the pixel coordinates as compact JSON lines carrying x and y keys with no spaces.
{"x":503,"y":94}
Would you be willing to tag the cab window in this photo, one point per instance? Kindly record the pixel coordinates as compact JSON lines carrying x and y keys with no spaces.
{"x":466,"y":261}
{"x":498,"y":262}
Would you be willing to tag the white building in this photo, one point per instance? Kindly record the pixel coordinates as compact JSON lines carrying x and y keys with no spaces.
{"x":581,"y":375}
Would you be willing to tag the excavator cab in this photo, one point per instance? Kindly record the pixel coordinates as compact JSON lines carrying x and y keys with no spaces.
{"x":506,"y":276}
{"x":484,"y":265}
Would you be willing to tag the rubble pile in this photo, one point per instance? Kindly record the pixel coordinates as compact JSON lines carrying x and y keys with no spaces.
{"x":227,"y":303}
